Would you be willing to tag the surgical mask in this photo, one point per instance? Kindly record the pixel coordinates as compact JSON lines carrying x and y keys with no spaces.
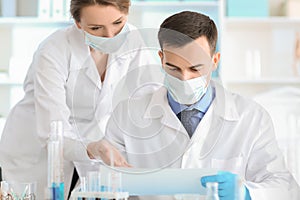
{"x":186,"y":92}
{"x":105,"y":44}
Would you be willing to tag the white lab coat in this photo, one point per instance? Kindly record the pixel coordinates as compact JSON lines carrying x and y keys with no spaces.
{"x":63,"y":84}
{"x":235,"y":135}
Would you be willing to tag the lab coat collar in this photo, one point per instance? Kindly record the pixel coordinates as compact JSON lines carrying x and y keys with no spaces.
{"x":81,"y":58}
{"x":159,"y":108}
{"x":79,"y":50}
{"x":224,"y":103}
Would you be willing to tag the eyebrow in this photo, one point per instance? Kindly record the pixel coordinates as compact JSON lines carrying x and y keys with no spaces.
{"x":102,"y":25}
{"x":193,"y":66}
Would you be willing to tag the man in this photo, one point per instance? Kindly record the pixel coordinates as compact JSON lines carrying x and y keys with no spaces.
{"x":193,"y":122}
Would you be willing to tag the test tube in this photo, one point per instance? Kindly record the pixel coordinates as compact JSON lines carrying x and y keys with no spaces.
{"x":83,"y":184}
{"x":114,"y":177}
{"x":114,"y":181}
{"x":94,"y":181}
{"x":55,"y":161}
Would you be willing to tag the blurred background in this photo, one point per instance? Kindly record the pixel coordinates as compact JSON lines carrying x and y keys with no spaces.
{"x":259,"y":42}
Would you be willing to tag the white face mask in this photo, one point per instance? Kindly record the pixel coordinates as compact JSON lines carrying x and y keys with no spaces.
{"x":105,"y":44}
{"x":186,"y":92}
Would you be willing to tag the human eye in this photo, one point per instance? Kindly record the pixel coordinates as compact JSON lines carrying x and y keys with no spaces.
{"x":95,"y":28}
{"x":173,"y":68}
{"x":196,"y":69}
{"x":118,"y":22}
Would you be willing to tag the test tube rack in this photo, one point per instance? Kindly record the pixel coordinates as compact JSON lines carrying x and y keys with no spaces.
{"x":76,"y":193}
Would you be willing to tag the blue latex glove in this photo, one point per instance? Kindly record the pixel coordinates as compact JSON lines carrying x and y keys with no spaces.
{"x":247,"y":195}
{"x":228,"y":184}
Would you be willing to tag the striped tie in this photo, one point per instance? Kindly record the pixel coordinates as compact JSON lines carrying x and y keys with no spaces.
{"x":185,"y":118}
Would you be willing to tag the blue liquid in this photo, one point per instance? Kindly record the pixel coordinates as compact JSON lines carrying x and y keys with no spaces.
{"x":61,"y":191}
{"x":58,"y":191}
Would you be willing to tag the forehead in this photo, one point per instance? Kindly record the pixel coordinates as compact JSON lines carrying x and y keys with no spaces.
{"x":196,"y":52}
{"x":100,"y":14}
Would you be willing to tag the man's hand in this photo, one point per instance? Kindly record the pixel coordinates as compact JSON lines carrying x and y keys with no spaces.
{"x":228,"y":185}
{"x":105,"y":151}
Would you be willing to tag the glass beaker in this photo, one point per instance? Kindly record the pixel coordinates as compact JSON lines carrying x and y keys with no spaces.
{"x":23,"y":191}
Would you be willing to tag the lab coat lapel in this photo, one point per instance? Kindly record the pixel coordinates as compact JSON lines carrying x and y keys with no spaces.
{"x":117,"y":66}
{"x":83,"y":60}
{"x":92,"y":73}
{"x":113,"y":84}
{"x":224,"y":103}
{"x":160,"y":108}
{"x":210,"y":129}
{"x":207,"y":133}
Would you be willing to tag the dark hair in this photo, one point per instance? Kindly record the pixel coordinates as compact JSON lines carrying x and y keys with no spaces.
{"x":77,"y":5}
{"x":184,"y":27}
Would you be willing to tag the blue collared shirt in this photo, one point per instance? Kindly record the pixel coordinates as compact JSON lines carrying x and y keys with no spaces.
{"x":202,"y":105}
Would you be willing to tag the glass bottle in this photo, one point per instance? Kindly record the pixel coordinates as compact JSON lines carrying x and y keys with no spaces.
{"x":212,"y":191}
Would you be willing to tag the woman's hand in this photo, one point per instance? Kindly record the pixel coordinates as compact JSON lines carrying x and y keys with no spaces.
{"x":105,"y":151}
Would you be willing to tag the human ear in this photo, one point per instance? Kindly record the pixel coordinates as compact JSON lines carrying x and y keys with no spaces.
{"x":161,"y":55}
{"x":78,"y":24}
{"x":215,"y":60}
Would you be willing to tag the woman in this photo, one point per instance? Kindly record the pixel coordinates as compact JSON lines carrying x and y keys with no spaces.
{"x":73,"y":78}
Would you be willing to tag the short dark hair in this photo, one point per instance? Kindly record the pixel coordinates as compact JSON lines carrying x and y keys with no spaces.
{"x":184,"y":27}
{"x":77,"y":5}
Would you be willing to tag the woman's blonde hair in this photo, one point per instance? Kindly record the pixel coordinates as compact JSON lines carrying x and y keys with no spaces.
{"x":77,"y":5}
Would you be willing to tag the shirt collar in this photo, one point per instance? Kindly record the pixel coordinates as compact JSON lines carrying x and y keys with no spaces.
{"x":202,"y":105}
